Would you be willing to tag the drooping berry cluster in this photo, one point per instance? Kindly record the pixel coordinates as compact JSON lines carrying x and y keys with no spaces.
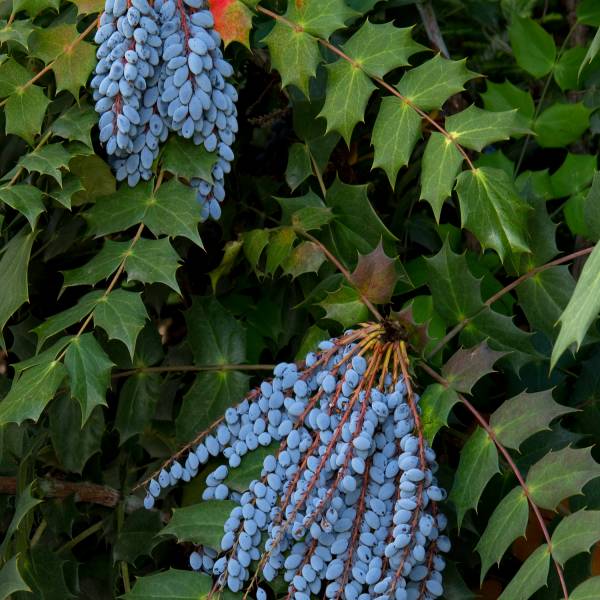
{"x":160,"y":69}
{"x":348,"y":502}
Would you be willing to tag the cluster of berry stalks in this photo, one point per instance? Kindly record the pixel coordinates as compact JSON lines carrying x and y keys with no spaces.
{"x":160,"y":69}
{"x":348,"y":502}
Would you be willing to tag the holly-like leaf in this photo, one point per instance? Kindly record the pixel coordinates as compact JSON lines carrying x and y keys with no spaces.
{"x":232,"y":249}
{"x":348,"y":91}
{"x":395,"y":133}
{"x":478,"y":464}
{"x":440,"y":166}
{"x":507,"y":96}
{"x":47,"y":160}
{"x":532,"y":575}
{"x":250,"y":468}
{"x":153,"y":261}
{"x":10,"y":578}
{"x":185,"y":159}
{"x":492,"y":209}
{"x":559,"y":475}
{"x":279,"y":248}
{"x":200,"y":523}
{"x":375,"y":275}
{"x":100,"y":267}
{"x":137,"y":403}
{"x":429,"y":85}
{"x":72,"y":59}
{"x":588,"y":590}
{"x":298,"y":167}
{"x":319,"y":17}
{"x":233,"y":21}
{"x":436,"y":403}
{"x":591,"y":209}
{"x":380,"y":48}
{"x":507,"y":523}
{"x":88,"y":7}
{"x":476,"y":128}
{"x":306,"y":257}
{"x":13,"y":275}
{"x":34,"y":7}
{"x":76,"y":124}
{"x":467,"y":366}
{"x":582,"y":309}
{"x":520,"y":417}
{"x":533,"y":47}
{"x":575,"y":534}
{"x":95,"y":176}
{"x":344,"y":306}
{"x":89,"y":371}
{"x":561,"y":124}
{"x":25,"y":198}
{"x":18,"y":31}
{"x":138,"y":537}
{"x":171,"y":585}
{"x":312,"y":217}
{"x":25,"y":503}
{"x":255,"y":242}
{"x":31,"y":392}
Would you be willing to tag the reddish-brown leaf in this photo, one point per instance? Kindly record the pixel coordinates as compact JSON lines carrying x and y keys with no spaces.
{"x":415,"y":333}
{"x":233,"y":20}
{"x":375,"y":275}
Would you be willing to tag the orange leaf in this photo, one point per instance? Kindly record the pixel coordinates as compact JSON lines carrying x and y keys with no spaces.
{"x":233,"y":20}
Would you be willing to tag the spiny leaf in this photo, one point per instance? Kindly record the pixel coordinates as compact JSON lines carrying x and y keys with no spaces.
{"x":25,"y":198}
{"x":31,"y":392}
{"x":375,"y":275}
{"x":137,"y":403}
{"x":100,"y":267}
{"x":440,"y":166}
{"x":591,"y":209}
{"x":582,"y":309}
{"x":25,"y":503}
{"x":138,"y":536}
{"x":10,"y":578}
{"x":492,"y":209}
{"x":344,"y":306}
{"x":507,"y":523}
{"x":185,"y":159}
{"x":380,"y":48}
{"x":575,"y":534}
{"x":478,"y":464}
{"x":233,"y":20}
{"x":171,"y":585}
{"x":436,"y":403}
{"x":533,"y":47}
{"x":76,"y":123}
{"x":467,"y":366}
{"x":48,"y":160}
{"x":18,"y":31}
{"x":298,"y":167}
{"x":429,"y":85}
{"x":279,"y":247}
{"x":395,"y":133}
{"x":319,"y":17}
{"x":561,"y":474}
{"x":35,"y":7}
{"x":312,"y":217}
{"x":588,"y":590}
{"x":476,"y":128}
{"x":255,"y":242}
{"x":306,"y":257}
{"x":520,"y":417}
{"x":153,"y":261}
{"x":227,"y":263}
{"x":532,"y":575}
{"x":88,"y":7}
{"x":348,"y":91}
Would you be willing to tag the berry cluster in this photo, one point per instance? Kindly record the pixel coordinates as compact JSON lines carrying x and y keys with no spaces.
{"x":160,"y":69}
{"x":348,"y":502}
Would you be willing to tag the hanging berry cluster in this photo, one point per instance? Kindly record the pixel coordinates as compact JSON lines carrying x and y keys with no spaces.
{"x":348,"y":502}
{"x":160,"y":69}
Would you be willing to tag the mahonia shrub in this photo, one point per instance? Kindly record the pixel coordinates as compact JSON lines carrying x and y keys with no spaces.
{"x":275,"y":275}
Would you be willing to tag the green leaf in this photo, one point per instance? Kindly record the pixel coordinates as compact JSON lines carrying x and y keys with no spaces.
{"x":250,"y":468}
{"x":34,"y":7}
{"x":375,"y":275}
{"x":26,"y":199}
{"x":25,"y":503}
{"x":380,"y":48}
{"x":122,"y":315}
{"x":344,"y":306}
{"x":73,"y":442}
{"x":591,"y":53}
{"x":306,"y":257}
{"x":395,"y":133}
{"x":566,"y":72}
{"x":320,"y":17}
{"x":200,"y":523}
{"x":137,"y":403}
{"x":89,"y":371}
{"x":492,"y":209}
{"x":95,"y":176}
{"x":575,"y":534}
{"x":476,"y":128}
{"x":294,"y":54}
{"x":533,"y":47}
{"x":532,"y":575}
{"x":574,"y":175}
{"x":507,"y":96}
{"x":18,"y":31}
{"x":185,"y":159}
{"x":255,"y":242}
{"x":298,"y":167}
{"x":348,"y":91}
{"x":153,"y":261}
{"x":440,"y":166}
{"x":429,"y":85}
{"x":561,"y":474}
{"x":591,"y":209}
{"x":507,"y":523}
{"x":561,"y":124}
{"x":10,"y":578}
{"x":76,"y":123}
{"x":311,"y":217}
{"x":171,"y":585}
{"x":279,"y":248}
{"x":467,"y":366}
{"x":47,"y":160}
{"x":13,"y":275}
{"x":588,"y":12}
{"x":138,"y":537}
{"x":45,"y":572}
{"x":100,"y":267}
{"x":478,"y":464}
{"x":231,"y":251}
{"x":520,"y":417}
{"x":436,"y":403}
{"x":588,"y":590}
{"x":582,"y":309}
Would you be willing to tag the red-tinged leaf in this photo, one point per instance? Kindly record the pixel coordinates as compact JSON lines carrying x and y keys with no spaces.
{"x":375,"y":275}
{"x":415,"y":333}
{"x":233,"y":21}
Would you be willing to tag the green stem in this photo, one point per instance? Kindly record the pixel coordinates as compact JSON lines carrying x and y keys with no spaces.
{"x":86,"y":533}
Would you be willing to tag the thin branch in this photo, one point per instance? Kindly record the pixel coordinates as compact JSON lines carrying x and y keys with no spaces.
{"x":511,"y":286}
{"x":515,"y":469}
{"x":432,"y":29}
{"x":193,"y":369}
{"x":378,"y":80}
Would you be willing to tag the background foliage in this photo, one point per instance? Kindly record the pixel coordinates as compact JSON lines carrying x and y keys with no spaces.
{"x":458,"y":189}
